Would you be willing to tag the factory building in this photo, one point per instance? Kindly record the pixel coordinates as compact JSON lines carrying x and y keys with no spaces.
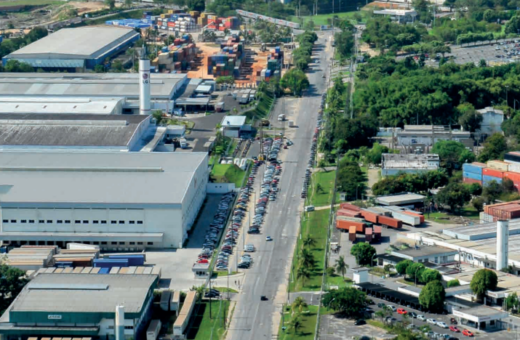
{"x":118,"y":200}
{"x":81,"y":305}
{"x":425,"y":136}
{"x":393,"y":164}
{"x":75,"y":49}
{"x":88,"y":89}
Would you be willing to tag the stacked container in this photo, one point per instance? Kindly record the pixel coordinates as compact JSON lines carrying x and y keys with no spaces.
{"x":489,"y":174}
{"x":472,"y":172}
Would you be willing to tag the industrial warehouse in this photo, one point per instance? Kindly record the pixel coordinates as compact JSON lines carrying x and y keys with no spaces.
{"x":75,"y":49}
{"x":118,"y":200}
{"x":84,"y":305}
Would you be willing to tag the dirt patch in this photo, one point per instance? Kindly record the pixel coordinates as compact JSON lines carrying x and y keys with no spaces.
{"x":365,"y":48}
{"x":201,"y":61}
{"x":88,"y":7}
{"x":385,"y":5}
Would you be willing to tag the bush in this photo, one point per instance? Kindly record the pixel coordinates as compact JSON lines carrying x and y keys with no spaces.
{"x":453,"y":283}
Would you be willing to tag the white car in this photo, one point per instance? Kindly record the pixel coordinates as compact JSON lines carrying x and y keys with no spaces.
{"x":432,"y":321}
{"x":392,"y":307}
{"x":421,"y":317}
{"x":442,"y":324}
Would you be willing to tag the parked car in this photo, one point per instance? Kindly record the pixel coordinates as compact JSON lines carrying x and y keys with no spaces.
{"x":413,"y":314}
{"x":442,"y":324}
{"x":359,"y":322}
{"x":392,"y":307}
{"x":453,"y":321}
{"x":421,"y":317}
{"x":454,"y":329}
{"x":401,"y":311}
{"x":268,"y":238}
{"x":432,"y":321}
{"x":467,"y":333}
{"x":263,"y":298}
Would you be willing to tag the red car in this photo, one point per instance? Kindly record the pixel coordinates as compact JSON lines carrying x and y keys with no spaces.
{"x":454,"y":329}
{"x":401,"y":311}
{"x":467,"y":333}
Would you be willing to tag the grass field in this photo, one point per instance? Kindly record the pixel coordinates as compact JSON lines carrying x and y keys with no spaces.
{"x":322,"y":19}
{"x":228,"y":173}
{"x":337,"y":280}
{"x":315,"y":224}
{"x":468,"y":213}
{"x":309,"y":319}
{"x":322,"y":188}
{"x":203,"y":326}
{"x":30,"y":3}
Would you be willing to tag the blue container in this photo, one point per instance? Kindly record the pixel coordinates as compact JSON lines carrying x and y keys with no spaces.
{"x":109,"y":263}
{"x":476,"y":169}
{"x":487,"y":179}
{"x":185,"y":37}
{"x":104,"y":271}
{"x":63,"y":264}
{"x":277,"y":49}
{"x":133,"y":260}
{"x":472,"y":175}
{"x":164,"y":49}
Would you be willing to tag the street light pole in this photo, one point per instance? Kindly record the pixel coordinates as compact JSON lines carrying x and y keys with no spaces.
{"x":372,"y":261}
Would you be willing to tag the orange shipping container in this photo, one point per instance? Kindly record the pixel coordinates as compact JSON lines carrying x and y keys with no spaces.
{"x":349,"y":213}
{"x":345,"y":225}
{"x":390,"y":222}
{"x":369,"y":216}
{"x":171,"y":24}
{"x":493,"y":172}
{"x":349,"y":206}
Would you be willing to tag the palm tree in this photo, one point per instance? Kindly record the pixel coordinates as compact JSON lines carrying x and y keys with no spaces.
{"x":303,"y":274}
{"x":295,"y":323}
{"x":307,"y":259}
{"x":299,"y":304}
{"x":309,"y":241}
{"x":341,"y":266}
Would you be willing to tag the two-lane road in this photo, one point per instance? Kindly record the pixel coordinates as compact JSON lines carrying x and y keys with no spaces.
{"x":254,"y":319}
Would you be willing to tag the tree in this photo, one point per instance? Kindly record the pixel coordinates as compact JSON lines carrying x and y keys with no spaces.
{"x":385,"y":312}
{"x":495,"y":147}
{"x":414,"y":271}
{"x":307,"y":259}
{"x":512,"y":302}
{"x":482,"y":281}
{"x":330,"y":271}
{"x":454,"y":195}
{"x":492,"y":191}
{"x":295,"y":323}
{"x":469,"y":118}
{"x":402,"y":266}
{"x":309,"y":241}
{"x":298,"y":304}
{"x":429,"y":275}
{"x":475,"y":189}
{"x":12,"y":281}
{"x":225,"y":80}
{"x":128,"y":3}
{"x":348,"y":301}
{"x":513,"y":25}
{"x":375,"y":154}
{"x":363,"y":252}
{"x":111,"y":4}
{"x":158,"y":116}
{"x":341,"y":266}
{"x":303,"y":273}
{"x":453,"y":283}
{"x":296,"y":81}
{"x":478,"y":203}
{"x":388,"y":268}
{"x":16,"y":66}
{"x":452,"y":154}
{"x":432,"y":296}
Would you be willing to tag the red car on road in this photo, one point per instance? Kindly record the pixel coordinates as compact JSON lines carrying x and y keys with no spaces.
{"x":454,"y":329}
{"x":467,"y":333}
{"x":401,"y":311}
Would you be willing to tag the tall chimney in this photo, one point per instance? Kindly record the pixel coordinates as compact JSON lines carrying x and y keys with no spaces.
{"x":502,"y":244}
{"x":144,"y":83}
{"x":120,"y":323}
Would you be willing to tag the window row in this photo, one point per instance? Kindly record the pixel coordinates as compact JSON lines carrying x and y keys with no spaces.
{"x":69,"y":221}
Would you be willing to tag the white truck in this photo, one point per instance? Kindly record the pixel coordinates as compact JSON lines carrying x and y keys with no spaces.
{"x":153,"y":330}
{"x":281,"y":117}
{"x":184,"y":143}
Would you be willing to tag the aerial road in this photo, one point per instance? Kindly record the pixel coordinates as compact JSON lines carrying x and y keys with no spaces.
{"x":252,"y":318}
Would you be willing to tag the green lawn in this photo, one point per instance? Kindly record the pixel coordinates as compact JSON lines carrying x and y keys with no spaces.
{"x":203,"y":326}
{"x":225,"y":289}
{"x":337,"y":280}
{"x":322,"y":184}
{"x":309,"y":319}
{"x":322,"y":18}
{"x":30,"y":3}
{"x":228,"y":173}
{"x":316,"y":224}
{"x":468,"y":213}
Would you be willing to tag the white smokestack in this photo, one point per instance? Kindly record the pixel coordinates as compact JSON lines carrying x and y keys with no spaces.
{"x":120,"y":323}
{"x":144,"y":83}
{"x":502,"y":244}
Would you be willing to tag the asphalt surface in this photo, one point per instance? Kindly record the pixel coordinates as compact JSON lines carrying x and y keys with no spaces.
{"x":253,"y":318}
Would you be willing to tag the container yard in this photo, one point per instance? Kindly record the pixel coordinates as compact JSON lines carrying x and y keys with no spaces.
{"x":228,"y":61}
{"x":179,"y":56}
{"x":274,"y":66}
{"x":494,"y":170}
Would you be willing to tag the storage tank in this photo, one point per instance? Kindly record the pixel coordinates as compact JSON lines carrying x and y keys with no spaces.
{"x":502,"y":244}
{"x":120,"y":323}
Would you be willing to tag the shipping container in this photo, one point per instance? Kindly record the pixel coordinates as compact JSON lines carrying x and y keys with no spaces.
{"x":368,"y":235}
{"x":369,"y":216}
{"x":345,"y":225}
{"x":514,"y":167}
{"x":352,"y":234}
{"x":377,"y":233}
{"x":473,"y":167}
{"x":103,"y":271}
{"x":487,"y":179}
{"x":471,"y":181}
{"x":109,"y":263}
{"x":472,"y":175}
{"x":492,"y":173}
{"x":498,"y":165}
{"x":166,"y":296}
{"x":349,"y":213}
{"x":390,"y":222}
{"x":349,"y":206}
{"x":133,"y":260}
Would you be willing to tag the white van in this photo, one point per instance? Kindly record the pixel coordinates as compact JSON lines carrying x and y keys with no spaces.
{"x":309,"y":208}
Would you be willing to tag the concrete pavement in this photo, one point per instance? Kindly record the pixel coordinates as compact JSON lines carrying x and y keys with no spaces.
{"x":255,"y":319}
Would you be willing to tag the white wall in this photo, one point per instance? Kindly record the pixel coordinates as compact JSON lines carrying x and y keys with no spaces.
{"x":195,"y":196}
{"x":491,"y":122}
{"x":220,"y":188}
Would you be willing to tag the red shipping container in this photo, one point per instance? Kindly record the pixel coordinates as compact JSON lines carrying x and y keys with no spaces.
{"x":368,"y":235}
{"x":471,"y":181}
{"x":493,"y":172}
{"x":349,"y":213}
{"x":349,"y":206}
{"x":171,"y":24}
{"x":390,"y":222}
{"x":377,"y":233}
{"x":345,"y":225}
{"x":352,"y":234}
{"x":369,"y":216}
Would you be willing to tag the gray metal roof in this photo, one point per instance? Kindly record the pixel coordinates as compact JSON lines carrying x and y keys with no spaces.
{"x":76,"y":43}
{"x":60,"y":105}
{"x":90,"y":179}
{"x":400,"y":199}
{"x":424,"y":251}
{"x":162,"y":85}
{"x":481,"y":231}
{"x":65,"y":293}
{"x":65,"y":130}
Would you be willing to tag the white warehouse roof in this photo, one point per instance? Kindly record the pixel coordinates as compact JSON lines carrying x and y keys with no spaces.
{"x":90,"y":179}
{"x":76,"y":43}
{"x":233,"y":121}
{"x":30,"y":105}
